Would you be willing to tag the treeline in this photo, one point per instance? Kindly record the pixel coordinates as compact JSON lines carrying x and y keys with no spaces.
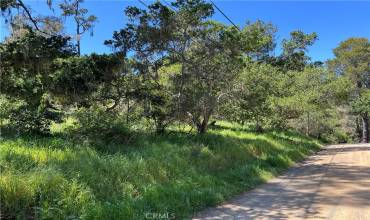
{"x":174,"y":66}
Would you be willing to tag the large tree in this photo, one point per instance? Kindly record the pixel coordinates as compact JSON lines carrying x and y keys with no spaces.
{"x":209,"y":56}
{"x":211,"y":68}
{"x":159,"y":37}
{"x":26,"y":76}
{"x":352,"y":59}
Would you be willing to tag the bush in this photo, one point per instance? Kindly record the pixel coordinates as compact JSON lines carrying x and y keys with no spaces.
{"x":28,"y":120}
{"x":25,"y":118}
{"x":337,"y":136}
{"x":7,"y":105}
{"x":97,"y":124}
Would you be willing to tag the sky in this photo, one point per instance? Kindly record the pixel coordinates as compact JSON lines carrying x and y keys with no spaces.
{"x":333,"y":21}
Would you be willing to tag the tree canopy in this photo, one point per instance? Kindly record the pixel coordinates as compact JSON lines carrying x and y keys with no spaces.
{"x":174,"y":65}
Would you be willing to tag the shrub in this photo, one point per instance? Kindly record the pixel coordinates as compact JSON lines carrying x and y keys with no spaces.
{"x":97,"y":124}
{"x":337,"y":136}
{"x":28,"y":120}
{"x":7,"y":105}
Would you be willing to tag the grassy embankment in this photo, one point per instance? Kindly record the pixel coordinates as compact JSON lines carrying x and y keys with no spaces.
{"x":177,"y":173}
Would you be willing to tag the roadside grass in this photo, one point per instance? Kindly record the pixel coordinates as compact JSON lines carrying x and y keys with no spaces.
{"x":176,"y":173}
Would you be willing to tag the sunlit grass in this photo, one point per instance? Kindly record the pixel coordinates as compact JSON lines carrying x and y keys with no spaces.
{"x":179,"y":173}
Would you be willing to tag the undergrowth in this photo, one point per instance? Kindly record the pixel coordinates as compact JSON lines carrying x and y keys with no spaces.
{"x":176,"y":173}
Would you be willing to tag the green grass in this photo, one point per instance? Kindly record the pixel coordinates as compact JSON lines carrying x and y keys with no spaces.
{"x":177,"y":173}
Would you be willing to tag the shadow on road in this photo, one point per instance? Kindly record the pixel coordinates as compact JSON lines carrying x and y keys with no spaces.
{"x":295,"y":194}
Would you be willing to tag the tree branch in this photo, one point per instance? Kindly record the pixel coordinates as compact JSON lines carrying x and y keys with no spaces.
{"x":34,"y":22}
{"x":20,"y":2}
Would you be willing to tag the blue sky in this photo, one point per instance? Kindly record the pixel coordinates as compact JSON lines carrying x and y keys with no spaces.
{"x":334,"y":21}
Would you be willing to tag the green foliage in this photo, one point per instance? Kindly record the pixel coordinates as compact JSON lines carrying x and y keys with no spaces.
{"x":75,"y":75}
{"x":251,"y":95}
{"x":7,"y":106}
{"x":25,"y":120}
{"x":208,"y":74}
{"x":175,"y":66}
{"x":352,"y":61}
{"x":176,"y":173}
{"x":170,"y":67}
{"x":210,"y":56}
{"x":95,"y":124}
{"x":25,"y":64}
{"x":294,"y":55}
{"x":161,"y":109}
{"x":309,"y":101}
{"x":25,"y":78}
{"x":55,"y":196}
{"x":362,"y":104}
{"x":336,"y":136}
{"x":258,"y":39}
{"x":299,"y":42}
{"x":80,"y":79}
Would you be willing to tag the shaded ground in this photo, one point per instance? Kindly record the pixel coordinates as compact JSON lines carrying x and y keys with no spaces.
{"x":333,"y":184}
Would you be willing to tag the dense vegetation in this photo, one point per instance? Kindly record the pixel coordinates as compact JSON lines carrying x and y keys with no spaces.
{"x":184,"y":113}
{"x":178,"y":173}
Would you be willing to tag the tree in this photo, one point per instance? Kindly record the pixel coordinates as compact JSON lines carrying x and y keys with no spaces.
{"x":310,"y":101}
{"x":361,"y":106}
{"x":209,"y":56}
{"x":250,"y":99}
{"x":83,"y":22}
{"x":352,"y":59}
{"x":309,"y":96}
{"x":294,"y":56}
{"x":83,"y":80}
{"x":158,"y":37}
{"x":259,"y":37}
{"x":25,"y":76}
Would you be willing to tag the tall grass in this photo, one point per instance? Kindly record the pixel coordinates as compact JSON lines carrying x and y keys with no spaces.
{"x":176,"y":173}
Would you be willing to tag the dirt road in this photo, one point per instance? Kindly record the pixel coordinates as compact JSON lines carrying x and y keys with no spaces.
{"x":334,"y":184}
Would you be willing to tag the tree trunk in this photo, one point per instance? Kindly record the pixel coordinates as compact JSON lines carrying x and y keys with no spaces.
{"x":259,"y":128}
{"x":308,"y":124}
{"x":202,"y":127}
{"x":358,"y":129}
{"x":78,"y":47}
{"x":78,"y":31}
{"x":160,"y":128}
{"x":365,"y":128}
{"x":128,"y":111}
